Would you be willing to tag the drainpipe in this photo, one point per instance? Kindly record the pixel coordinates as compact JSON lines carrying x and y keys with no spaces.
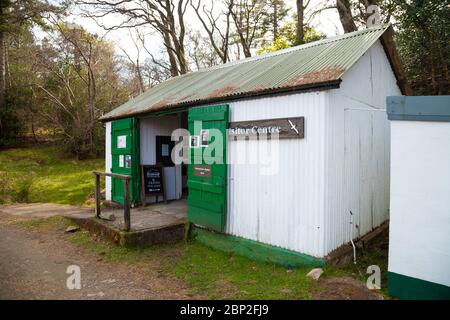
{"x":351,"y":237}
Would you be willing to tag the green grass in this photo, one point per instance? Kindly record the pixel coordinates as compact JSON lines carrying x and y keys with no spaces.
{"x":219,"y":275}
{"x":43,"y":174}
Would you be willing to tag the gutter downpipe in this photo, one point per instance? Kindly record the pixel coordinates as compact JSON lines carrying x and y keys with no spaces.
{"x":351,"y":237}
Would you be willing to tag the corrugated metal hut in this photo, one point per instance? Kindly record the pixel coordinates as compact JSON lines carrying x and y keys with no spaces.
{"x":325,"y":100}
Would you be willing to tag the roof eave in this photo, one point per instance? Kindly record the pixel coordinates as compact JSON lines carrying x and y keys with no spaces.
{"x":326,"y":85}
{"x":387,"y":40}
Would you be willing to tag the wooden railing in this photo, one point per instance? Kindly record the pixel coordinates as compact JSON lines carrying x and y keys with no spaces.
{"x":126,"y":197}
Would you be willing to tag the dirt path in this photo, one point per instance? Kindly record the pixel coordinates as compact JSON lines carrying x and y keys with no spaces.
{"x":33,"y":266}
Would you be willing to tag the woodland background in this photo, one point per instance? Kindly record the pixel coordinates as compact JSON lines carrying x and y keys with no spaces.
{"x":57,"y":78}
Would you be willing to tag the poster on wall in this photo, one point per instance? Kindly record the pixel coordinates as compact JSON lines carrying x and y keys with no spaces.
{"x":121,"y":142}
{"x":121,"y":161}
{"x":127,"y":161}
{"x":194,"y":141}
{"x":204,"y":136}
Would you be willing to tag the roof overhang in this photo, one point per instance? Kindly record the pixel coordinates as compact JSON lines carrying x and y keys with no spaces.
{"x":181,"y":107}
{"x":387,"y":40}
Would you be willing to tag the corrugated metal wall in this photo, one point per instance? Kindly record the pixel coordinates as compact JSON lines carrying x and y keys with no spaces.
{"x":357,"y":153}
{"x":284,"y":208}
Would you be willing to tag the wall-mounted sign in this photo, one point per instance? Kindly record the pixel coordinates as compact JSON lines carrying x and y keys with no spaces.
{"x":127,"y":161}
{"x":194,"y":141}
{"x":283,"y":127}
{"x":204,"y":136}
{"x":201,"y":170}
{"x":121,"y":142}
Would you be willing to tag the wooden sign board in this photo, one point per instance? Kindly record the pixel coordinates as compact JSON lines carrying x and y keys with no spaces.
{"x":201,"y":170}
{"x":152,"y":182}
{"x":285,"y":128}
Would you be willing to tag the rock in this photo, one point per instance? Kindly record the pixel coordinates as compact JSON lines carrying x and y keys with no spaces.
{"x":108,"y":216}
{"x":72,"y":229}
{"x":315,"y":273}
{"x":98,"y":294}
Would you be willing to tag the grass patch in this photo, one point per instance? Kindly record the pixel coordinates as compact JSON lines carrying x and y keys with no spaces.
{"x":42,"y":174}
{"x":207,"y":272}
{"x":219,"y":275}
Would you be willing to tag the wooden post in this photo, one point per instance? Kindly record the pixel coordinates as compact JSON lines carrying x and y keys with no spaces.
{"x":126,"y":204}
{"x":97,"y":195}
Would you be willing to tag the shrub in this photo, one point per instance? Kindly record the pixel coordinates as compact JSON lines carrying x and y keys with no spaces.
{"x":22,"y":189}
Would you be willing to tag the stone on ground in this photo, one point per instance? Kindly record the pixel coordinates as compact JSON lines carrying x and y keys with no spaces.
{"x":71,"y":229}
{"x":108,"y":216}
{"x":315,"y":273}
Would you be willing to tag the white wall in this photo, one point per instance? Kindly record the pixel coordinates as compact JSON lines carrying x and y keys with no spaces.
{"x":284,"y":209}
{"x":357,"y":153}
{"x":160,"y":126}
{"x":108,"y":160}
{"x":420,"y":200}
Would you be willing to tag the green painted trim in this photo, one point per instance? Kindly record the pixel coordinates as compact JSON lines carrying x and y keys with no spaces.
{"x":418,"y":108}
{"x":408,"y":288}
{"x":255,"y":250}
{"x":136,"y":153}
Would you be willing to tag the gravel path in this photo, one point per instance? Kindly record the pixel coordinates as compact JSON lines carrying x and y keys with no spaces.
{"x":33,"y":266}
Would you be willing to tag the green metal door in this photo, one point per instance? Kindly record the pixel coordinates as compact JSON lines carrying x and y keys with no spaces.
{"x":207,"y":170}
{"x":125,"y":158}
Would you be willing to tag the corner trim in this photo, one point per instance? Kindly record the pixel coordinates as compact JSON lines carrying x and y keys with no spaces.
{"x":420,"y":108}
{"x":408,"y":288}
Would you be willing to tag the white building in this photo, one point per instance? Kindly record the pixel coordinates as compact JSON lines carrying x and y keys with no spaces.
{"x":334,"y":91}
{"x":419,"y":229}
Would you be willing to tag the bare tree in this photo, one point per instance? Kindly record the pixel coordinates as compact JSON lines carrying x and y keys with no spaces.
{"x":164,"y":16}
{"x":68,"y":65}
{"x":344,"y":8}
{"x":145,"y":73}
{"x":136,"y":62}
{"x":248,"y":16}
{"x":219,"y":39}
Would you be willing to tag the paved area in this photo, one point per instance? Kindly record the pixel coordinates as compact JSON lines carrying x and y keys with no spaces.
{"x":151,"y":217}
{"x":33,"y":265}
{"x":45,"y":210}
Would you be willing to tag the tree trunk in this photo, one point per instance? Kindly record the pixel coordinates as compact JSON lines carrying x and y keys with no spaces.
{"x":275,"y":19}
{"x":2,"y":69}
{"x":345,"y":15}
{"x":299,"y":34}
{"x":172,"y":59}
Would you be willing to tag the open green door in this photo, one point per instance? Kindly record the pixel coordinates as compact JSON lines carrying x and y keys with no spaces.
{"x":125,"y":158}
{"x":207,"y":170}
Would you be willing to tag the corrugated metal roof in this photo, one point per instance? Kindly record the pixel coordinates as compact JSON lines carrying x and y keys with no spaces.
{"x":310,"y":65}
